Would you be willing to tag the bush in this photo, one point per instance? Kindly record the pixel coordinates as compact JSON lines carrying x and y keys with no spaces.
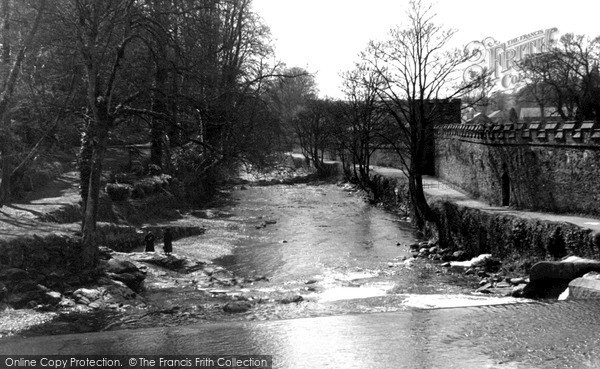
{"x":151,"y":185}
{"x":118,"y":191}
{"x":123,"y":178}
{"x":154,"y":170}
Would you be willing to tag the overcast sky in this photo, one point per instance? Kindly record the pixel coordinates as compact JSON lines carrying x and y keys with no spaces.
{"x":325,"y":36}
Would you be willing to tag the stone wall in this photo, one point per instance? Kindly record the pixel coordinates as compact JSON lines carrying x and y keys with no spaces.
{"x":60,"y":254}
{"x":519,"y":242}
{"x":551,"y":167}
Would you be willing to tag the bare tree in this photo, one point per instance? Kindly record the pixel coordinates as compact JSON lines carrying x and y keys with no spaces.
{"x":8,"y":90}
{"x":366,"y":116}
{"x":420,"y":76}
{"x":314,"y":127}
{"x":289,"y":94}
{"x":566,"y":77}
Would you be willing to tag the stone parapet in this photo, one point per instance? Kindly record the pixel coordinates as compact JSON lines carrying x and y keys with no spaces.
{"x":570,"y":133}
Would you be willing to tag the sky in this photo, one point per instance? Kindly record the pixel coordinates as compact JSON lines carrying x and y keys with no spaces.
{"x":326,"y":36}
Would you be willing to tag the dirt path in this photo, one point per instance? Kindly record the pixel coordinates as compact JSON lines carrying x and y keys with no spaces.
{"x":436,"y":188}
{"x":23,"y":217}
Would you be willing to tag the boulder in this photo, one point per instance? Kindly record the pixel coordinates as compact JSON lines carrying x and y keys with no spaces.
{"x":120,"y":266}
{"x":567,"y":269}
{"x":14,"y":275}
{"x":87,"y":293}
{"x":52,"y":298}
{"x":118,"y":292}
{"x":549,"y":288}
{"x":131,"y":280}
{"x":586,"y":287}
{"x":459,"y":255}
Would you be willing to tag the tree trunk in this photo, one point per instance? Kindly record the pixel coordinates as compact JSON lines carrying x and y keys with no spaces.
{"x":84,"y":163}
{"x":89,"y":249}
{"x":422,"y":212}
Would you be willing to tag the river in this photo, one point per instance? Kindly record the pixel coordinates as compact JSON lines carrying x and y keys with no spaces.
{"x":363,"y":305}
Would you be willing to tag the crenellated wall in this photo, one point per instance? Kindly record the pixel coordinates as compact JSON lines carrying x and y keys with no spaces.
{"x":539,"y":166}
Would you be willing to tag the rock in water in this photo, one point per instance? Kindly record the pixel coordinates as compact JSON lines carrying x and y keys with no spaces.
{"x":236,"y":307}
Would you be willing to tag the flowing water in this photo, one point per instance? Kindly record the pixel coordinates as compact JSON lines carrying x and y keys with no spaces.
{"x":363,"y":306}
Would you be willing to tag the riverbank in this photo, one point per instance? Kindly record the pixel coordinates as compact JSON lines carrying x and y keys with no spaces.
{"x":516,"y":239}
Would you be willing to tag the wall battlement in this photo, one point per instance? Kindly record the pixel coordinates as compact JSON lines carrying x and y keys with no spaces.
{"x":585,"y":134}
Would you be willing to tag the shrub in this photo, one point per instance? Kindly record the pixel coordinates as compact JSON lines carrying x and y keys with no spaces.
{"x":123,"y":178}
{"x":154,"y":170}
{"x":150,"y":185}
{"x":118,"y":191}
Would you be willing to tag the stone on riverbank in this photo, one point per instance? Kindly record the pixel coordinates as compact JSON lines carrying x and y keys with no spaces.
{"x":117,"y":266}
{"x":586,"y":287}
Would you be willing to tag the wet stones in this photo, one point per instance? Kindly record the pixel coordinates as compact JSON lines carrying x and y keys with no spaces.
{"x":499,"y":285}
{"x":432,"y":251}
{"x":485,"y":267}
